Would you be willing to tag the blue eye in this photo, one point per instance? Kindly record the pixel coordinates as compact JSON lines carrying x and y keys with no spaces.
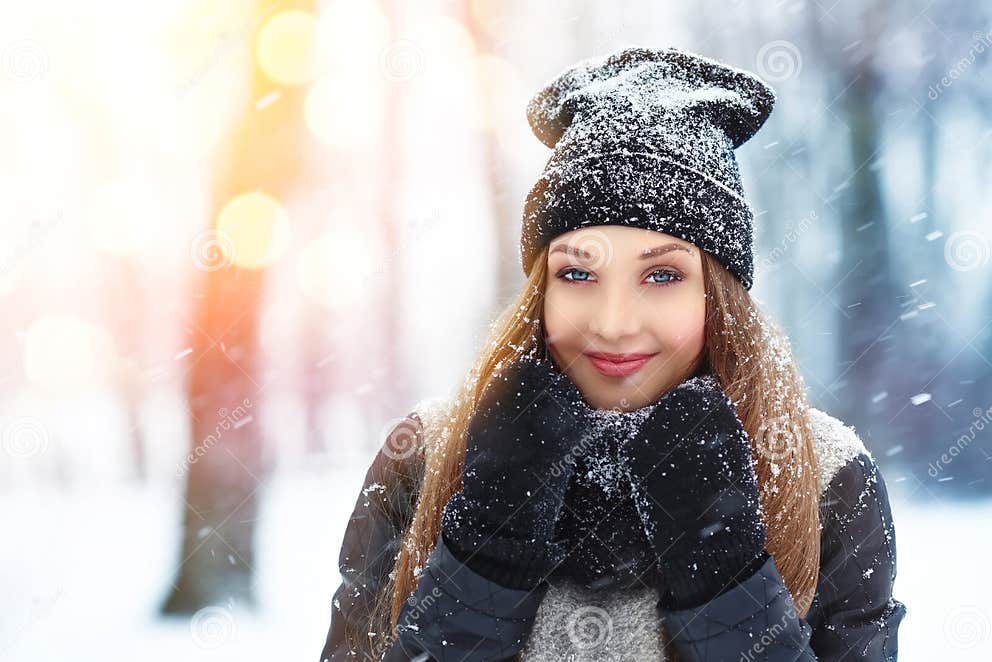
{"x":662,"y":272}
{"x":574,"y":275}
{"x":563,"y":275}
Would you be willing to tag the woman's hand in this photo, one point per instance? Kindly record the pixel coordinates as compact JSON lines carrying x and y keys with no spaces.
{"x":695,"y":488}
{"x":518,"y":462}
{"x":605,"y":538}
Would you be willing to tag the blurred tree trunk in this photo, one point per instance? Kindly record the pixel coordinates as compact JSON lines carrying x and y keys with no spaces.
{"x":862,"y":287}
{"x":864,"y":281}
{"x":925,"y":336}
{"x":221,"y":504}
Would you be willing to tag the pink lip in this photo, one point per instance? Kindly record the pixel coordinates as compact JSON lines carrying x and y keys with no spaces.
{"x":618,"y":365}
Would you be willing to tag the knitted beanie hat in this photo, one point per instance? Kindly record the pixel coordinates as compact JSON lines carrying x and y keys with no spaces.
{"x":645,"y":138}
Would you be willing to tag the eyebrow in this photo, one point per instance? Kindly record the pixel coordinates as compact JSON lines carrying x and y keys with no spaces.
{"x":646,"y":254}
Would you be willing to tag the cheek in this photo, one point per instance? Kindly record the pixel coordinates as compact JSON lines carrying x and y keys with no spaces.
{"x":563,"y":315}
{"x":681,"y":325}
{"x":688,"y":335}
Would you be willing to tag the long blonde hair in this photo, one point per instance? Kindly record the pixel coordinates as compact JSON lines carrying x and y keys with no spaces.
{"x":753,"y":363}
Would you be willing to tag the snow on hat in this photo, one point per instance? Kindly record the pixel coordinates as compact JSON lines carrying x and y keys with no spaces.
{"x":645,"y":138}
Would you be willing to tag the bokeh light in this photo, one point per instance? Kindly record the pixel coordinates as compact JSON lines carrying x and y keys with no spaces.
{"x":257,"y":228}
{"x":287,"y":47}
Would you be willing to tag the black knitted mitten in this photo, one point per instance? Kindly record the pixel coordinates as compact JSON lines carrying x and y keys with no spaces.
{"x":519,"y":459}
{"x":694,"y":485}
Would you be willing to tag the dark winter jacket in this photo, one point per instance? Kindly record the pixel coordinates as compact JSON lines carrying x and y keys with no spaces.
{"x":455,"y":614}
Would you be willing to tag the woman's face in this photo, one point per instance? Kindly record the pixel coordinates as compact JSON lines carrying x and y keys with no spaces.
{"x":619,"y":290}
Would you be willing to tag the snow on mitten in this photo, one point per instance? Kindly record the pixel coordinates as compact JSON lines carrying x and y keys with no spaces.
{"x":605,"y":538}
{"x":518,"y":463}
{"x":694,"y":485}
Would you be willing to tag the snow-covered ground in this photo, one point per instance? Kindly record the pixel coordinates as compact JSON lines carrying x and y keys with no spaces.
{"x":941,"y":549}
{"x":84,"y":572}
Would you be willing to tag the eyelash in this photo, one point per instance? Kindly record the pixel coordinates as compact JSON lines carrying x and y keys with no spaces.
{"x":676,"y":276}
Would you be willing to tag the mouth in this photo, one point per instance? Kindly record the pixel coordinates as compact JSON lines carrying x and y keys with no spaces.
{"x":618,"y":365}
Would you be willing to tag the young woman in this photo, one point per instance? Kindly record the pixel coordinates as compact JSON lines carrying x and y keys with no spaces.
{"x":631,"y":470}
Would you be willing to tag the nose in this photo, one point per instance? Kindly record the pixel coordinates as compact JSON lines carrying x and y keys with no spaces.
{"x":615,"y":317}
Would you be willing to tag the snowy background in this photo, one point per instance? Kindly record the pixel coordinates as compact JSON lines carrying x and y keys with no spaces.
{"x":239,"y":239}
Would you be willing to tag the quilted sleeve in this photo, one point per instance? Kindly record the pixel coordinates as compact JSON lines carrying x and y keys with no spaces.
{"x":457,"y":615}
{"x":853,"y":615}
{"x":860,"y":618}
{"x":382,"y":512}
